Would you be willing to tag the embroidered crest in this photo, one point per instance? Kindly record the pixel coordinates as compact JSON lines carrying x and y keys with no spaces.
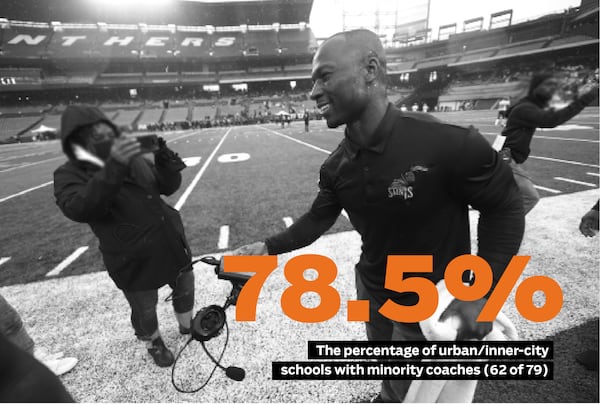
{"x":402,"y":186}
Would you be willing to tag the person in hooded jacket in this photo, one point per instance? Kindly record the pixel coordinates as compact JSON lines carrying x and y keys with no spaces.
{"x":530,"y":113}
{"x":109,"y":184}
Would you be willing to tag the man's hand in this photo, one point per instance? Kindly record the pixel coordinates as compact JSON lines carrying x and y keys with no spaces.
{"x":258,"y":248}
{"x":589,"y":223}
{"x":467,"y":312}
{"x":124,"y":149}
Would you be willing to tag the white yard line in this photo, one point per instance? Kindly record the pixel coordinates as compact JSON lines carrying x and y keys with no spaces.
{"x":190,"y":187}
{"x":4,"y":260}
{"x":296,"y":140}
{"x":288,"y":221}
{"x":26,"y":191}
{"x":67,"y":261}
{"x":223,"y":237}
{"x":577,"y":163}
{"x":587,"y":184}
{"x":568,"y":139}
{"x":32,"y":164}
{"x":594,"y":174}
{"x":553,"y":191}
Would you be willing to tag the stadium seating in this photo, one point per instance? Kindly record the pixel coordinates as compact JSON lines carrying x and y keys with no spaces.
{"x":200,"y":113}
{"x":489,"y":91}
{"x":11,"y":127}
{"x":78,"y":43}
{"x":296,"y":41}
{"x":227,"y":44}
{"x":523,"y":47}
{"x":261,"y":43}
{"x":150,"y":116}
{"x":25,"y":42}
{"x":177,"y":114}
{"x":127,"y":117}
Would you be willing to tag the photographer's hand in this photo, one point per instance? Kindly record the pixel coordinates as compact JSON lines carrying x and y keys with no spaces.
{"x":124,"y":149}
{"x":467,"y":312}
{"x":258,"y":248}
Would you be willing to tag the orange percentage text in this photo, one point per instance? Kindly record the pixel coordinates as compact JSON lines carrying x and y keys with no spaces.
{"x":395,"y":280}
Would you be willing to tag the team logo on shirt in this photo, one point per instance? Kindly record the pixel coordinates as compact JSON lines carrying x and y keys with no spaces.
{"x":402,"y":186}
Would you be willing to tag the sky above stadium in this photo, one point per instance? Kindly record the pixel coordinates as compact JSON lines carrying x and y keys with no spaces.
{"x":326,"y":16}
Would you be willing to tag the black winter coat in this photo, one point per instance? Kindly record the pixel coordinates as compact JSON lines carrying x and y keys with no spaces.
{"x":142,"y":239}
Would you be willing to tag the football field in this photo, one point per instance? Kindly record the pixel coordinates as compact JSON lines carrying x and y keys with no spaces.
{"x":243,"y":184}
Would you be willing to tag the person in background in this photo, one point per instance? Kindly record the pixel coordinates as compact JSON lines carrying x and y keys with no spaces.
{"x":108,"y":184}
{"x":503,"y":106}
{"x":306,"y":118}
{"x":530,"y":113}
{"x":406,"y":181}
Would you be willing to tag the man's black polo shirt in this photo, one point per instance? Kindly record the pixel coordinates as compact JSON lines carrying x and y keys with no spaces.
{"x":408,"y":192}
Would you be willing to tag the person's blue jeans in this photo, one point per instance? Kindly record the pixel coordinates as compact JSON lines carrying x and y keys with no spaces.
{"x":143,"y":305}
{"x":380,"y":328}
{"x":529,"y":194}
{"x":12,"y":327}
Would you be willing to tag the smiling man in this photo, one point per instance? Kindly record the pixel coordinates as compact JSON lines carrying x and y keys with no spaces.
{"x":406,"y":181}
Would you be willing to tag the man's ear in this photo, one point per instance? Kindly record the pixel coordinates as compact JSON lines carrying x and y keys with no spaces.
{"x":373,"y":67}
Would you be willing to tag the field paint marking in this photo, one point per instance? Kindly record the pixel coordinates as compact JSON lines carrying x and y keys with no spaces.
{"x":26,"y":191}
{"x":553,"y":191}
{"x":190,"y":187}
{"x":587,"y":184}
{"x":67,"y":261}
{"x":552,"y":138}
{"x":4,"y":259}
{"x":564,"y":161}
{"x":223,"y":237}
{"x":594,"y":174}
{"x":32,"y":164}
{"x":288,"y":221}
{"x":296,"y":140}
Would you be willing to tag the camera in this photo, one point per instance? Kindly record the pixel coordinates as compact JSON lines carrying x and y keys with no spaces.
{"x":148,"y":143}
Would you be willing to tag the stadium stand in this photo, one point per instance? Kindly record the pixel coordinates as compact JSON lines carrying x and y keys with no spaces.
{"x":125,"y":64}
{"x":200,"y":113}
{"x":76,"y":41}
{"x":150,"y":116}
{"x":525,"y":46}
{"x":455,"y":95}
{"x":297,"y":41}
{"x":13,"y":127}
{"x":261,"y":42}
{"x":177,"y":114}
{"x":25,"y":40}
{"x":227,"y":44}
{"x":127,"y":117}
{"x":51,"y":121}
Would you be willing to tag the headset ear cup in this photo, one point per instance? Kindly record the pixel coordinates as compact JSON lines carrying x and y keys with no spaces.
{"x":208,"y":323}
